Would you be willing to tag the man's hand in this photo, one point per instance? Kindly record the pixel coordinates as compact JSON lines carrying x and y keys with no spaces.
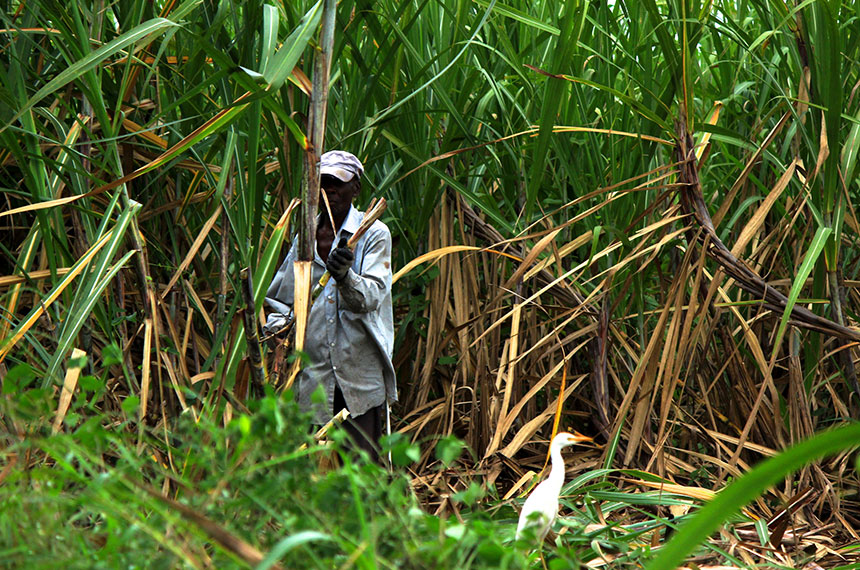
{"x":339,"y":261}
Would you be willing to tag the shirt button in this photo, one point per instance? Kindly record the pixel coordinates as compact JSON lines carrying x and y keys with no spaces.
{"x":331,"y":320}
{"x":330,"y":297}
{"x":334,"y":367}
{"x":331,"y":344}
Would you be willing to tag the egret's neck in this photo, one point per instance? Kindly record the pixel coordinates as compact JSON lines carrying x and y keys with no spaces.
{"x":556,"y":474}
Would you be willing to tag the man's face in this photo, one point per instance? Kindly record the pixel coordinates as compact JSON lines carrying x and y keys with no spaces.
{"x":339,"y":194}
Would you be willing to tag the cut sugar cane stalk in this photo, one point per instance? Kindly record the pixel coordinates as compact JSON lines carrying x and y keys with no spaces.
{"x":252,"y":338}
{"x":321,"y":433}
{"x":328,"y":209}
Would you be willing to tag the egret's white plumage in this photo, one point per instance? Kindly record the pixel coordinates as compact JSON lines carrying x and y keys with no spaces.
{"x":540,"y":509}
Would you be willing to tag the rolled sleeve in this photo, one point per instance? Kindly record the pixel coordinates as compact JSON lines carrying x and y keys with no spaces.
{"x":275,"y":322}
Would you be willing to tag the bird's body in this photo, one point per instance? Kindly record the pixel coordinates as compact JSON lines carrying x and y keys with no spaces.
{"x":541,"y":507}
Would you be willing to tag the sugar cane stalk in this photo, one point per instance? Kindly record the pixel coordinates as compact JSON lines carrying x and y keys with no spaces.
{"x":255,"y":356}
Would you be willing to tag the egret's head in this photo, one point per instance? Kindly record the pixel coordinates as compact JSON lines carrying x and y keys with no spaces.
{"x":563,"y":439}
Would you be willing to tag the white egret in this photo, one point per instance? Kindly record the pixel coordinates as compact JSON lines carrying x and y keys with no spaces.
{"x":540,"y":509}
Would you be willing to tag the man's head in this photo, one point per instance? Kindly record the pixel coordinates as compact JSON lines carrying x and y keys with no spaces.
{"x":340,"y":179}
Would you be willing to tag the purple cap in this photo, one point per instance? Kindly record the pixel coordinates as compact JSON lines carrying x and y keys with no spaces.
{"x":340,"y":164}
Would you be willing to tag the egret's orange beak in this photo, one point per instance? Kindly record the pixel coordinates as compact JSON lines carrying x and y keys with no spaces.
{"x":579,"y":438}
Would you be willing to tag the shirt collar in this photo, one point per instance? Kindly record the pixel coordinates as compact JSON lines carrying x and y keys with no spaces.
{"x":352,"y":221}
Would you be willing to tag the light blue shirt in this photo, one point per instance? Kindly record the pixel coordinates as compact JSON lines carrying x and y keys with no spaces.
{"x":350,"y":333}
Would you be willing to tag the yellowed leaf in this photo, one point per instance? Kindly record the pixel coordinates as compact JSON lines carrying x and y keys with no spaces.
{"x":9,"y":280}
{"x":69,"y":384}
{"x":441,"y":252}
{"x":192,"y":251}
{"x":45,"y":303}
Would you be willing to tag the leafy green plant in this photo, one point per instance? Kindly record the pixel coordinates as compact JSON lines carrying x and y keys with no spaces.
{"x":93,"y":497}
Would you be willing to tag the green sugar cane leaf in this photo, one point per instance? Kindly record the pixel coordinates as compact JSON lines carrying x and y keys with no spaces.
{"x":184,"y":9}
{"x":223,"y":176}
{"x":826,"y":70}
{"x":664,"y":36}
{"x":211,"y":126}
{"x":806,"y":267}
{"x":687,"y":70}
{"x":850,"y":150}
{"x":227,"y":157}
{"x":90,"y":288}
{"x":595,"y":239}
{"x":73,"y":325}
{"x":816,"y":213}
{"x":15,"y":335}
{"x":270,"y":35}
{"x":277,"y":109}
{"x":761,"y":530}
{"x":475,"y":32}
{"x":781,"y":7}
{"x":831,"y":248}
{"x":220,"y":119}
{"x":282,"y":63}
{"x":104,"y":258}
{"x":730,"y":500}
{"x":520,"y":17}
{"x":649,"y":498}
{"x":227,"y":366}
{"x":762,"y":38}
{"x":634,"y":104}
{"x":258,"y":78}
{"x":269,"y":261}
{"x":252,"y":82}
{"x":581,"y":480}
{"x":572,"y":21}
{"x":93,"y":59}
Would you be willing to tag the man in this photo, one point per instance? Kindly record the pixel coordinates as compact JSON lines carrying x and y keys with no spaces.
{"x":350,"y":332}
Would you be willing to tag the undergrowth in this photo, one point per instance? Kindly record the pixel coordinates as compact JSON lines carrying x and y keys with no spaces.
{"x":90,"y":498}
{"x":261,"y":493}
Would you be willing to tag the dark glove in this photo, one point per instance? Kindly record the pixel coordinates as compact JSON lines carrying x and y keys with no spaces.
{"x":339,"y":261}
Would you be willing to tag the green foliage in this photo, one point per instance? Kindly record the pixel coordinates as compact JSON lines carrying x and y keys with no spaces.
{"x":88,"y":498}
{"x":18,"y":379}
{"x":449,"y":449}
{"x":81,"y":502}
{"x":403,"y":452}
